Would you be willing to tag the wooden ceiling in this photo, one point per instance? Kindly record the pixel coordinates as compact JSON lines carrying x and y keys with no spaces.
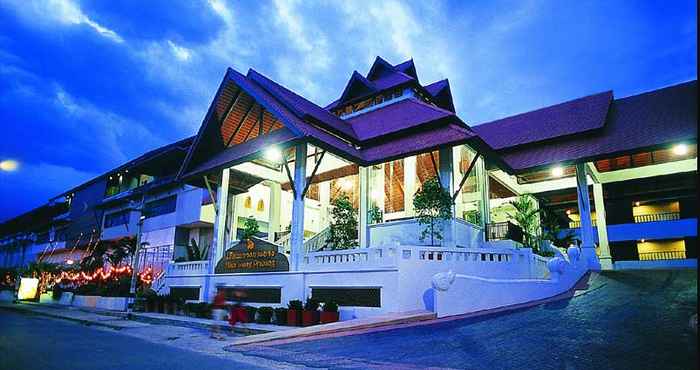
{"x":241,"y":117}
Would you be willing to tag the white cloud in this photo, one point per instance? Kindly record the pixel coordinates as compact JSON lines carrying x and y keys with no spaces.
{"x":63,"y":12}
{"x":181,"y":53}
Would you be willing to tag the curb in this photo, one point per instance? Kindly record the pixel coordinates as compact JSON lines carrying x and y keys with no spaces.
{"x":56,"y":316}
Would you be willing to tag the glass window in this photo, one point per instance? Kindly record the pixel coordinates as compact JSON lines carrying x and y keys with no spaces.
{"x":469,"y":200}
{"x":116,"y":219}
{"x":160,"y":206}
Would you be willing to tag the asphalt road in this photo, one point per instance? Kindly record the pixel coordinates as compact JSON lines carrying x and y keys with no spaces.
{"x":625,"y":320}
{"x":36,"y":342}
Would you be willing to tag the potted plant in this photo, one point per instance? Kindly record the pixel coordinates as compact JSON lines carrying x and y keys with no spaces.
{"x":280,"y":316}
{"x":264,"y":315}
{"x":329,"y":313}
{"x":294,"y":312}
{"x":310,"y":314}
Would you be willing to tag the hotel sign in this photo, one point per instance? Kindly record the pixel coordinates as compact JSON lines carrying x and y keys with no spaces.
{"x":254,"y":255}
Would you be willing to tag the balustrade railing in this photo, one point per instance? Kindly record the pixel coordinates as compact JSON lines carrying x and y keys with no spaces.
{"x":664,"y":216}
{"x":662,"y":255}
{"x":503,"y":231}
{"x":188,"y":268}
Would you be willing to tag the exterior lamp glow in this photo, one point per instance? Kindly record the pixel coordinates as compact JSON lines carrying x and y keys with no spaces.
{"x":69,"y":262}
{"x":8,"y":165}
{"x":557,"y":171}
{"x":273,"y":154}
{"x":680,"y":149}
{"x":345,"y":184}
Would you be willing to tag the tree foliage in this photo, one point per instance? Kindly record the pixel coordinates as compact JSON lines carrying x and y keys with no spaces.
{"x":250,"y":228}
{"x":112,"y":252}
{"x":433,"y":206}
{"x":527,"y":216}
{"x":343,"y":228}
{"x":552,"y":230}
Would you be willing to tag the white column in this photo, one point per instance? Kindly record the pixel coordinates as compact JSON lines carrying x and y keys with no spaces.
{"x":456,"y":162}
{"x":364,"y":207}
{"x":234,"y":214}
{"x":445,"y":170}
{"x":409,"y":184}
{"x":584,"y":208}
{"x":376,"y":191}
{"x":324,"y":196}
{"x":274,"y":210}
{"x":219,"y":238}
{"x":483,"y":177}
{"x":297,"y":237}
{"x":602,"y":228}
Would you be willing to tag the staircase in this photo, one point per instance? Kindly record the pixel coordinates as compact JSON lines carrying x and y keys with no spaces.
{"x":313,"y":244}
{"x":158,"y":284}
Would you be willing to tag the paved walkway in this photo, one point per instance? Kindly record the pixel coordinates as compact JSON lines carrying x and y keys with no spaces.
{"x":625,"y":320}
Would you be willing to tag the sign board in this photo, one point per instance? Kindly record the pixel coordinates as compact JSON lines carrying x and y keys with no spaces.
{"x":253,"y":255}
{"x":27,"y":288}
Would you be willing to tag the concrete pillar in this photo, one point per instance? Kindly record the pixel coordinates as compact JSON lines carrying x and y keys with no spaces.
{"x":584,"y":207}
{"x":602,"y":228}
{"x":324,"y":197}
{"x":363,"y":231}
{"x":219,"y":238}
{"x":456,"y":163}
{"x":274,"y":210}
{"x":409,"y":184}
{"x":445,"y":170}
{"x":483,"y":184}
{"x":297,"y":237}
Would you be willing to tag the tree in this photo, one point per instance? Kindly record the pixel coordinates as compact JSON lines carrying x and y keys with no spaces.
{"x":343,"y":228}
{"x":527,"y":216}
{"x":375,"y":214}
{"x":552,"y":230}
{"x":250,"y":228}
{"x":433,"y":206}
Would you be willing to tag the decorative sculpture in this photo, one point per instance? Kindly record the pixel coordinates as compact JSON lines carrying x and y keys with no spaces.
{"x":443,"y":280}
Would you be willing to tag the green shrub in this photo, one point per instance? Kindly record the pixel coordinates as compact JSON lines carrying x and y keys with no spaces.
{"x":433,"y":205}
{"x":250,"y":310}
{"x":311,"y":304}
{"x":280,"y":316}
{"x":295,"y":304}
{"x":264,"y":315}
{"x":330,"y":306}
{"x":56,"y":292}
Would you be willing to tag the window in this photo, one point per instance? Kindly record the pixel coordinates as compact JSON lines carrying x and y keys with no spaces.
{"x":116,"y":219}
{"x":186,"y":293}
{"x":248,"y":203}
{"x":253,"y":295}
{"x":261,"y":206}
{"x":357,"y":297}
{"x":160,"y":206}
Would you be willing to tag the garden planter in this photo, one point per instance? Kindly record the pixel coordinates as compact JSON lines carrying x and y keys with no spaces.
{"x":309,"y":318}
{"x":112,"y":303}
{"x":7,"y":295}
{"x":328,"y":317}
{"x":85,"y":301}
{"x":293,"y":318}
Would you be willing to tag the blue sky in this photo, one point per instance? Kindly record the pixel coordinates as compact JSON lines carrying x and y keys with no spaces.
{"x":87,"y":85}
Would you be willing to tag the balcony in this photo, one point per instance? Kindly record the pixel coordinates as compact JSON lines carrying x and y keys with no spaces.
{"x":662,"y":255}
{"x":665,"y":216}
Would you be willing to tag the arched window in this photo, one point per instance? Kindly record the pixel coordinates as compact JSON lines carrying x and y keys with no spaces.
{"x":248,"y":203}
{"x":261,"y":206}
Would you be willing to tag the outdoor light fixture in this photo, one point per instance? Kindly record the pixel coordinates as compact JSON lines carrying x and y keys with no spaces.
{"x":557,"y":171}
{"x":273,"y":154}
{"x":8,"y":165}
{"x":568,"y":211}
{"x":69,"y":262}
{"x":643,"y":240}
{"x":345,"y":184}
{"x":636,"y":204}
{"x":680,"y":149}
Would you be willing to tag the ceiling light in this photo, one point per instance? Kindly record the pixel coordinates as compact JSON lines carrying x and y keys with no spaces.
{"x":557,"y":171}
{"x":643,"y":240}
{"x":680,"y":149}
{"x":8,"y":165}
{"x":568,"y":211}
{"x":636,"y":204}
{"x":345,"y":184}
{"x":273,"y":154}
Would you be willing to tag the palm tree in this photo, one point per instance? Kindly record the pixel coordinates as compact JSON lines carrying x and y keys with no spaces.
{"x":552,"y":230}
{"x":527,"y":216}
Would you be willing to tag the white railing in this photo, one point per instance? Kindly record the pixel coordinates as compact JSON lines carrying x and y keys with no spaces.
{"x":317,"y":241}
{"x":159,"y":282}
{"x":356,"y":258}
{"x":188,"y":268}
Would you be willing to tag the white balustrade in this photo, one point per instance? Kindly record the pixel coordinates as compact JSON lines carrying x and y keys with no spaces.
{"x":188,"y":268}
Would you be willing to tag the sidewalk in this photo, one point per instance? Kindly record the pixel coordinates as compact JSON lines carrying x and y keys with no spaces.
{"x":121,"y":320}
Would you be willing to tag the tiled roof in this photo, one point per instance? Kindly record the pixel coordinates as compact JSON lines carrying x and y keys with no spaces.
{"x":657,"y":118}
{"x":399,"y":116}
{"x":442,"y":94}
{"x":572,"y":117}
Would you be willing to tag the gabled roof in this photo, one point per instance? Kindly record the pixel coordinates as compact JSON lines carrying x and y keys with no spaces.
{"x":408,"y":68}
{"x":442,"y":95}
{"x":568,"y":118}
{"x":641,"y":122}
{"x":379,"y":68}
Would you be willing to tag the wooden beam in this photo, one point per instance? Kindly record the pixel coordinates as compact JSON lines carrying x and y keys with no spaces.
{"x":230,"y":106}
{"x":260,"y":125}
{"x":289,"y":176}
{"x":464,"y":177}
{"x":211,"y":194}
{"x":437,"y":170}
{"x":251,"y":129}
{"x":240,"y":124}
{"x":313,"y":173}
